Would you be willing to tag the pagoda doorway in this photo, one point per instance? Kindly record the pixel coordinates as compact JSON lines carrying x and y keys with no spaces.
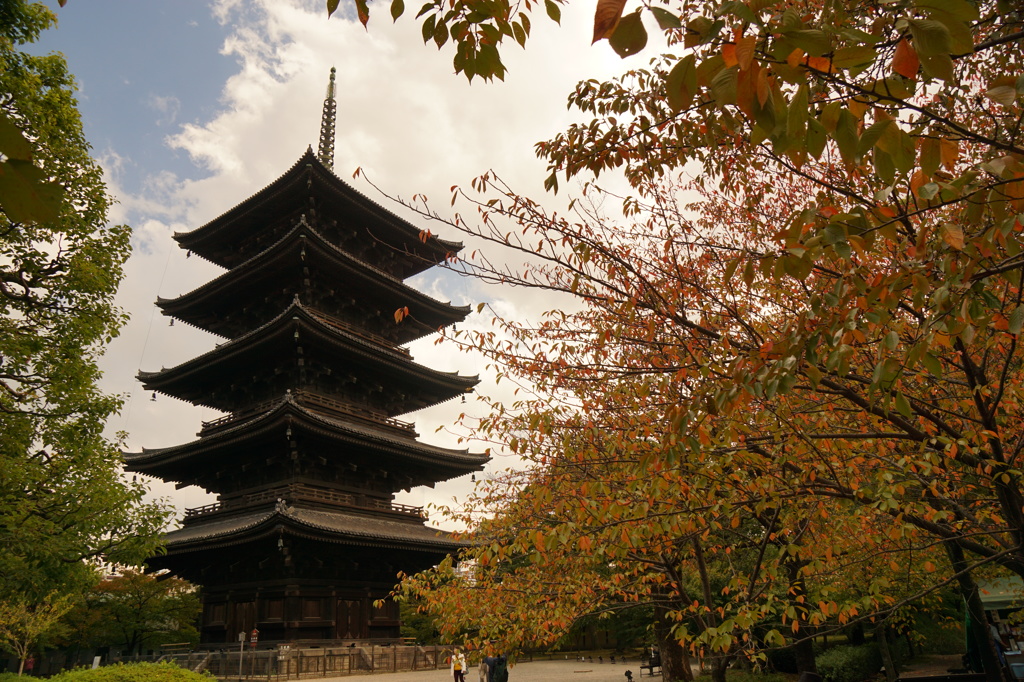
{"x":243,"y":617}
{"x":351,"y":619}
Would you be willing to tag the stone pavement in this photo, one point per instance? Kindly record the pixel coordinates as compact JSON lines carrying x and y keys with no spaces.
{"x":535,"y":671}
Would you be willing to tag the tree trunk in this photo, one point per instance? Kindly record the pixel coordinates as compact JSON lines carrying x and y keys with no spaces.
{"x":719,"y":664}
{"x":911,"y":647}
{"x":803,"y":650}
{"x":687,"y":664}
{"x":881,"y":636}
{"x":979,"y":629}
{"x":675,"y":663}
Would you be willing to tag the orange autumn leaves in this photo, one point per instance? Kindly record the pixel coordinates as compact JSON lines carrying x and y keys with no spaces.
{"x":905,"y":61}
{"x":626,"y":34}
{"x":606,"y":18}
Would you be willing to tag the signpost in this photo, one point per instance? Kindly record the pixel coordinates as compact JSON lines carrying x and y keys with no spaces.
{"x":241,"y":653}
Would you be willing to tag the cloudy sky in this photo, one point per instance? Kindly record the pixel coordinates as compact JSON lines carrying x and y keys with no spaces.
{"x":194,"y":105}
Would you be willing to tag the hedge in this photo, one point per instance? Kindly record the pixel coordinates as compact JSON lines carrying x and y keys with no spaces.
{"x":849,"y":663}
{"x":133,"y":672}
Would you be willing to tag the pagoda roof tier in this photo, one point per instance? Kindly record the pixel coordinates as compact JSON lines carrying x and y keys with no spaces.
{"x":337,"y":527}
{"x":304,"y":263}
{"x":232,"y":237}
{"x":300,"y":349}
{"x":341,"y":440}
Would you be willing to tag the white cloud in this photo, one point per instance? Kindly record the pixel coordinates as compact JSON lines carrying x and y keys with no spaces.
{"x":167,"y":106}
{"x":403,"y":116}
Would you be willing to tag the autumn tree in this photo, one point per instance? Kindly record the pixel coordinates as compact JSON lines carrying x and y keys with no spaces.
{"x":133,"y":611}
{"x":611,"y":515}
{"x":63,"y":501}
{"x":814,"y":286}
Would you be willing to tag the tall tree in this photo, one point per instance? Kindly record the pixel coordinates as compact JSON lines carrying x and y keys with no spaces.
{"x":818,"y":273}
{"x":62,"y":497}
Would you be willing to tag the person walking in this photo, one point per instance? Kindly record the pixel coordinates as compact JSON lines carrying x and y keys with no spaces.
{"x":459,"y":666}
{"x":500,"y":670}
{"x":491,"y":662}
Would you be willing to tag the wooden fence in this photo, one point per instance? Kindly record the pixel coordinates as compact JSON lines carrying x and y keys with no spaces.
{"x":287,"y":663}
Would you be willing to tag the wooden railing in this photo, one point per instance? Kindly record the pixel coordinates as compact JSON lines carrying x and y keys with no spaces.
{"x":358,"y":331}
{"x":240,"y":415}
{"x":318,"y":400}
{"x":205,"y":509}
{"x":315,"y":400}
{"x":299,"y":491}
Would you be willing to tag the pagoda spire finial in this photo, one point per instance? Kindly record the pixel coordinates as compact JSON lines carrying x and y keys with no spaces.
{"x":326,"y":151}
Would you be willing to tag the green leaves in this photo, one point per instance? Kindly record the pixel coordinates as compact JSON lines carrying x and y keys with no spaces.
{"x":27,"y":194}
{"x":13,"y":143}
{"x":796,"y":120}
{"x":629,"y":36}
{"x":724,"y":85}
{"x":961,"y":10}
{"x":1016,"y":321}
{"x":853,"y":56}
{"x":812,"y":41}
{"x":931,"y":38}
{"x":681,"y":85}
{"x":1005,"y":90}
{"x":553,"y":11}
{"x":666,"y":20}
{"x":397,"y":9}
{"x":956,"y":16}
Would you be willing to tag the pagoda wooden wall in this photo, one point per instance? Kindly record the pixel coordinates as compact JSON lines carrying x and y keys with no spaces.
{"x":298,"y":613}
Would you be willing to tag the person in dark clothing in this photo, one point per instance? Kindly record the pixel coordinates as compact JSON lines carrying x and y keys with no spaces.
{"x":500,"y":673}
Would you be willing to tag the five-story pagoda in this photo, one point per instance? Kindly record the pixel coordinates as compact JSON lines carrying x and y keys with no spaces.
{"x":306,"y":535}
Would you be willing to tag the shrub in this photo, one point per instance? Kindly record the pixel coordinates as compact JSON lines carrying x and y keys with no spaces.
{"x":133,"y":672}
{"x":849,"y":663}
{"x":937,"y":636}
{"x":11,"y":677}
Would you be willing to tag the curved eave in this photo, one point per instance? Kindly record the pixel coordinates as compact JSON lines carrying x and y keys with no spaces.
{"x":343,"y":341}
{"x":324,"y":526}
{"x":460,"y":462}
{"x":443,"y":313}
{"x":295,"y":178}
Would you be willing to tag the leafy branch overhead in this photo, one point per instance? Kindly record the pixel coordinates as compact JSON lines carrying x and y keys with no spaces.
{"x":477,"y":29}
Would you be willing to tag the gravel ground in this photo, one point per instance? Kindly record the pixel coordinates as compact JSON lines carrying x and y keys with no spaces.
{"x":536,"y":671}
